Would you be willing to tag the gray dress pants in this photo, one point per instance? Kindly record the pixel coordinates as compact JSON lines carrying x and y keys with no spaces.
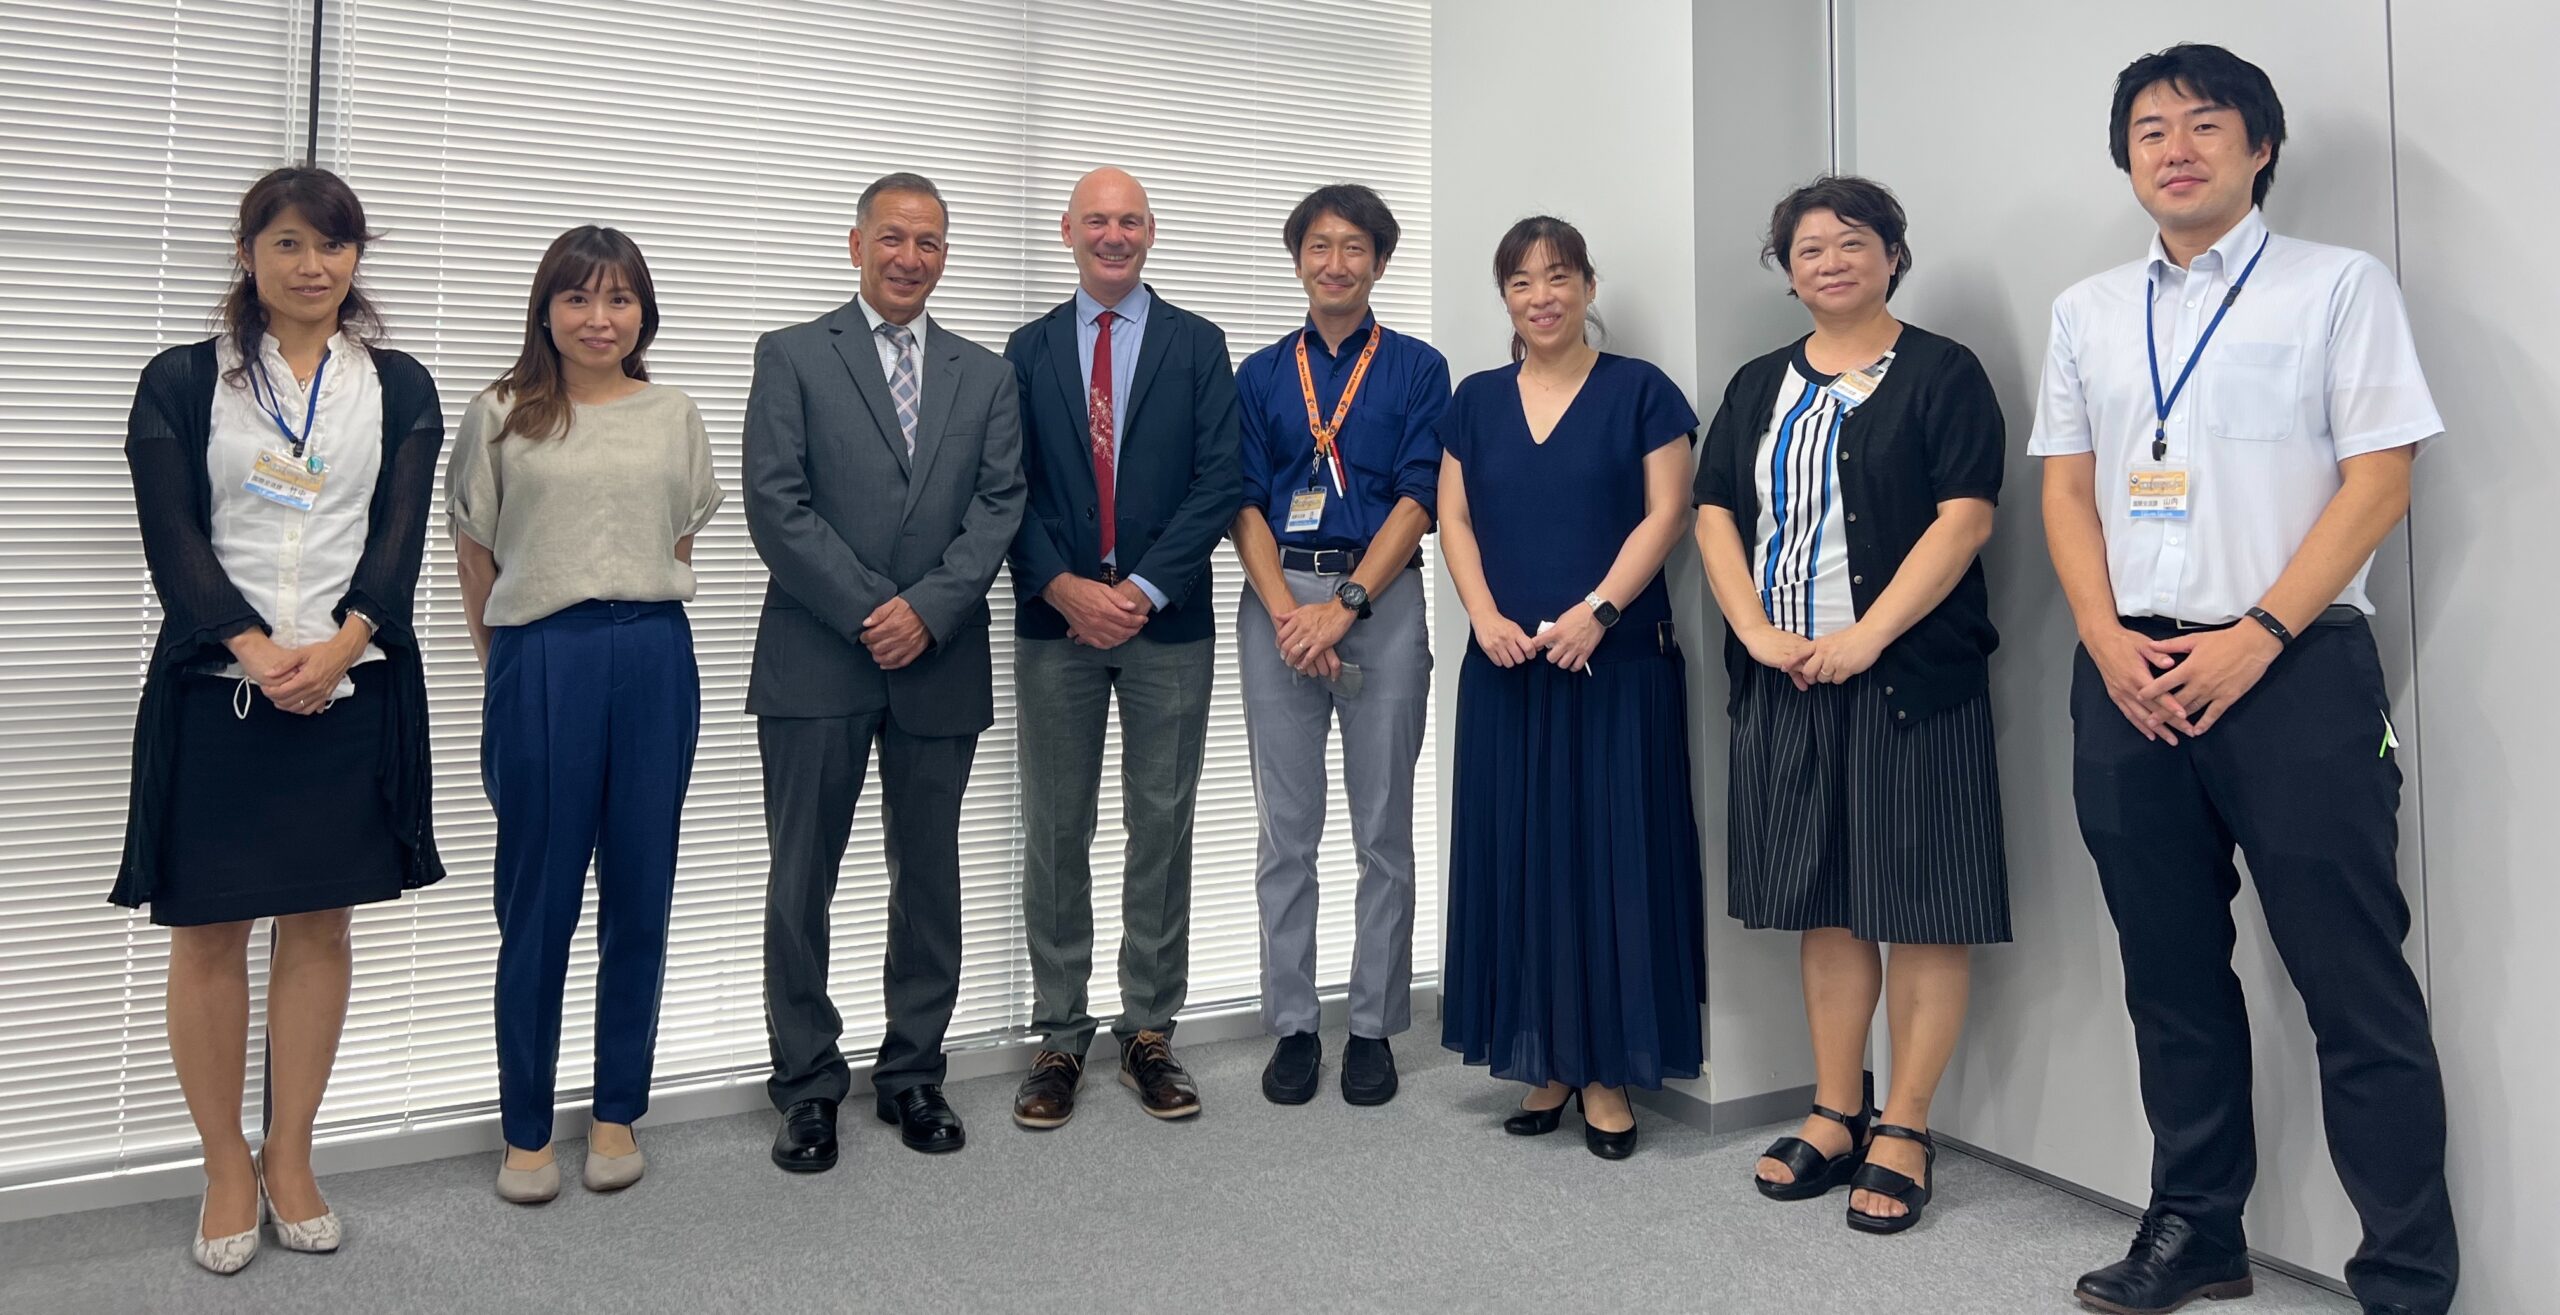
{"x":1065,"y":691}
{"x":1288,"y":718}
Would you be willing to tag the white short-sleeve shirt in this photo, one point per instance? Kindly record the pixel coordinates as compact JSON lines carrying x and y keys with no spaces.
{"x":2314,"y":364}
{"x":293,"y":566}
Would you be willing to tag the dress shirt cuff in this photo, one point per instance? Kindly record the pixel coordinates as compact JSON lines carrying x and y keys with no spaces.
{"x":1154,"y":595}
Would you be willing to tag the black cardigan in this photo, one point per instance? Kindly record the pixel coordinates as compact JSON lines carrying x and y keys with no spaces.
{"x":1932,"y":432}
{"x":165,"y":444}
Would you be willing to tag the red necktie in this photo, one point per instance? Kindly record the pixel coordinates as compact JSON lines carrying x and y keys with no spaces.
{"x":1098,"y":418}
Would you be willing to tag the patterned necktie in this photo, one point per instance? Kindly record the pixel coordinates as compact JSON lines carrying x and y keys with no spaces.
{"x":1098,"y":417}
{"x":903,"y":389}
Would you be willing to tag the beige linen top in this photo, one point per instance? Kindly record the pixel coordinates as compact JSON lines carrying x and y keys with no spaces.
{"x":594,"y":513}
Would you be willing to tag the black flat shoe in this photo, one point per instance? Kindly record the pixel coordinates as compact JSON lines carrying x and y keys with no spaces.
{"x":1874,"y":1177}
{"x":2169,"y":1265}
{"x":807,"y":1141}
{"x":1368,"y":1071}
{"x":1296,"y":1064}
{"x":926,"y":1122}
{"x":1811,"y":1172}
{"x":1607,"y":1145}
{"x":1535,"y":1123}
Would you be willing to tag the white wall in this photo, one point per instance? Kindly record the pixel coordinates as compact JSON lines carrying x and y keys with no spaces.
{"x":2474,"y":93}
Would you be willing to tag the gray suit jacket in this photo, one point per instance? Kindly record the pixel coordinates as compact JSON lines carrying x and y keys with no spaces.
{"x":845,"y":521}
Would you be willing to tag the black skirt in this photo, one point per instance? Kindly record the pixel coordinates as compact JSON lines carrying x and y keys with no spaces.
{"x":275,"y":813}
{"x":1841,"y":818}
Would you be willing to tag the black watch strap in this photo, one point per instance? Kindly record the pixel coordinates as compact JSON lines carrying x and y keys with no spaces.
{"x":2274,"y":627}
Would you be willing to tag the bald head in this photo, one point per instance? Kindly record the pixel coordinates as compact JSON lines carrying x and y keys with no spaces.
{"x":1109,"y":226}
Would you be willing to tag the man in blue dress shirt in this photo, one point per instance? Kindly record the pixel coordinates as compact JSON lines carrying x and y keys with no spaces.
{"x":1341,"y":475}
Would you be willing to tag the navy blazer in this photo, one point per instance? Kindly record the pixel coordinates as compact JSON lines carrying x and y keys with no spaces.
{"x":1180,"y":474}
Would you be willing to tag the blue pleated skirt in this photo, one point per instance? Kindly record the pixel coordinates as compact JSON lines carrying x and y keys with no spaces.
{"x":1577,"y":946}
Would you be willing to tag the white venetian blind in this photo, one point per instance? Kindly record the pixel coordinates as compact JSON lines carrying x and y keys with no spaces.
{"x":730,"y":140}
{"x":127,"y":133}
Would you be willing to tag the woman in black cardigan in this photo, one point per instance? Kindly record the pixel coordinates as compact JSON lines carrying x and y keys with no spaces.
{"x":1846,"y":489}
{"x":282,"y":473}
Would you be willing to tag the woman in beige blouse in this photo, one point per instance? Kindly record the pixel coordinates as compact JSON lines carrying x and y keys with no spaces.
{"x":576,"y":489}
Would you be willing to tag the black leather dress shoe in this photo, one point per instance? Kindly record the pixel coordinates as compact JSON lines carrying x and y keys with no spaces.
{"x":1368,"y":1071}
{"x":1296,"y":1063}
{"x":925,"y":1121}
{"x":807,"y":1142}
{"x":2169,"y":1265}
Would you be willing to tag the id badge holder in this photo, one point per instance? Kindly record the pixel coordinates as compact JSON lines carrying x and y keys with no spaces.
{"x":1854,"y":387}
{"x":1306,"y":510}
{"x":280,"y":477}
{"x":2159,"y":492}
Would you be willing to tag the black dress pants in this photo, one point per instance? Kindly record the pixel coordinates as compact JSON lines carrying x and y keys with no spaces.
{"x":2300,"y":776}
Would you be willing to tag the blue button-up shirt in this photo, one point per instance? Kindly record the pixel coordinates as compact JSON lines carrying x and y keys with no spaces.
{"x":1387,"y":443}
{"x":1128,"y":335}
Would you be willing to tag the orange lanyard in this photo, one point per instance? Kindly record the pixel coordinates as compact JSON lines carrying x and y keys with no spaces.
{"x":1328,"y":448}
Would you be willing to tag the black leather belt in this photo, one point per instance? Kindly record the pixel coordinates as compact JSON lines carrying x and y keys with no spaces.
{"x":2336,"y":614}
{"x":1333,"y":561}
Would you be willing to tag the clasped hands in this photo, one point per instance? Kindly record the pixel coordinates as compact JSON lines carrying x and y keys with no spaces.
{"x":1567,"y":642}
{"x":1306,"y":634}
{"x":1830,"y":660}
{"x":2183,"y":684}
{"x":299,"y":680}
{"x":895,"y":635}
{"x":1099,"y":615}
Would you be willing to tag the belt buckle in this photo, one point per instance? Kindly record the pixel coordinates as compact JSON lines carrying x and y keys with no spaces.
{"x":2181,"y":623}
{"x":1110,"y":573}
{"x":1335,"y":553}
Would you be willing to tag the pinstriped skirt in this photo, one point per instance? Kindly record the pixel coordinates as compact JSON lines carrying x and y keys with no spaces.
{"x":1839,"y":818}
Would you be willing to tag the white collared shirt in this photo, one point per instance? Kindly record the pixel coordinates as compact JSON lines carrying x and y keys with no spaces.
{"x":293,"y":566}
{"x":889,"y":350}
{"x":2314,"y":364}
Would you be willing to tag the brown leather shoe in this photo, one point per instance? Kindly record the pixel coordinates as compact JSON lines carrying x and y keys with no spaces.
{"x":1147,"y":1067}
{"x":1048,"y":1097}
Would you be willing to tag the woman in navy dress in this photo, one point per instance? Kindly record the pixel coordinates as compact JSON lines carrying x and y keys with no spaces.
{"x":1575,"y":960}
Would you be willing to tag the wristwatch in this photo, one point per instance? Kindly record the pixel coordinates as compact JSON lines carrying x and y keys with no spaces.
{"x":1351,"y":595}
{"x":1602,"y":610}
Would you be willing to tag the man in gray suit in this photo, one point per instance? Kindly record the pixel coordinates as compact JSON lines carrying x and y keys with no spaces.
{"x":884,"y":484}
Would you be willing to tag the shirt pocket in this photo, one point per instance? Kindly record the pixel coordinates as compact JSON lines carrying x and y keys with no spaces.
{"x":1376,"y":447}
{"x":2256,"y":391}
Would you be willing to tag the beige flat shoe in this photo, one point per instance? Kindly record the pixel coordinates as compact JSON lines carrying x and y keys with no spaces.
{"x":528,"y":1186}
{"x":612,"y":1173}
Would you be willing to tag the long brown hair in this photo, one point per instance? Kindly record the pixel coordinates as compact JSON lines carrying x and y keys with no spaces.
{"x":537,"y":390}
{"x":327,"y":204}
{"x":1566,"y":247}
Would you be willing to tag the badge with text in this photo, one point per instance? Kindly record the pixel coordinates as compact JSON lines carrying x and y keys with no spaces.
{"x":282,"y":478}
{"x":2159,"y":493}
{"x":1854,"y":387}
{"x":1306,"y":510}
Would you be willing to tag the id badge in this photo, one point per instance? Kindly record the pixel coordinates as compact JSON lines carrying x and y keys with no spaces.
{"x":1854,"y":387}
{"x":1306,"y":510}
{"x":282,"y":478}
{"x":2159,"y":493}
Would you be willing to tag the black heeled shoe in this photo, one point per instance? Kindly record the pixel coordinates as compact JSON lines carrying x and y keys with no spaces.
{"x":1885,"y":1182}
{"x":1607,"y":1145}
{"x":1811,"y":1172}
{"x":1535,"y":1123}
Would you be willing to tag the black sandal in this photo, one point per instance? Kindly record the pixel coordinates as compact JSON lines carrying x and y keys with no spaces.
{"x":1885,"y":1182}
{"x":1815,"y":1173}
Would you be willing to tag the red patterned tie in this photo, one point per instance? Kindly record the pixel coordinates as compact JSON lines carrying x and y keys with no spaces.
{"x":1098,"y":417}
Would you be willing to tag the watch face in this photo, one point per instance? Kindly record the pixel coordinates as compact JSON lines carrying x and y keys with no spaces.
{"x":1352,"y":595}
{"x":1606,"y":614}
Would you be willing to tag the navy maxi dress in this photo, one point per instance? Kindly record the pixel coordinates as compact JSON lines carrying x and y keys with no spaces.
{"x":1576,"y":910}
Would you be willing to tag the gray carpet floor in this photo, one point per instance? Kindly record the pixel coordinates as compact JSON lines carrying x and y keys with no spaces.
{"x":1420,"y":1205}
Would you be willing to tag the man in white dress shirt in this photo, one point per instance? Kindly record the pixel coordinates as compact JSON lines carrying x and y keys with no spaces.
{"x":2227,"y":428}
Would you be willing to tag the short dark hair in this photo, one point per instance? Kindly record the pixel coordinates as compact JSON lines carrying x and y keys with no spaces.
{"x":1564,"y":246}
{"x":1860,"y":201}
{"x":898,"y":182}
{"x":1355,"y":205}
{"x":2213,"y":75}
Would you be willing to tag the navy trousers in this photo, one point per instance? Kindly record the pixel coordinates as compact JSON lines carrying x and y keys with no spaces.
{"x":586,"y":746}
{"x":2300,"y":778}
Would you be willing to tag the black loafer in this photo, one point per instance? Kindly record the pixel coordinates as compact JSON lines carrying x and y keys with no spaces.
{"x":1296,"y":1063}
{"x":807,"y":1141}
{"x":2169,"y":1265}
{"x":1368,"y":1071}
{"x":925,"y":1120}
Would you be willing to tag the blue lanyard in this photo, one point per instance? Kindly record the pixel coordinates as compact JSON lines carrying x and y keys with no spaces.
{"x":2161,"y":402}
{"x":262,"y":390}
